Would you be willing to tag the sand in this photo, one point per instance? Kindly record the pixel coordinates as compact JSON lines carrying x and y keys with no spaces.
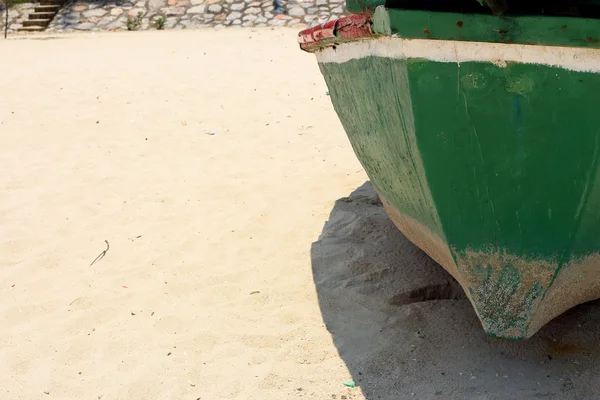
{"x":211,"y":162}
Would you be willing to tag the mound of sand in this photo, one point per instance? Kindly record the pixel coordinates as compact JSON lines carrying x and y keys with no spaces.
{"x":405,"y":329}
{"x":361,"y":248}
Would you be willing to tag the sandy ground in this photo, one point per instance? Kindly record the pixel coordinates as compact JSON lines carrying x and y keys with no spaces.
{"x":107,"y":137}
{"x":210,"y":162}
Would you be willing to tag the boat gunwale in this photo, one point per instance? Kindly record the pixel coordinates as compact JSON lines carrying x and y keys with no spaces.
{"x":550,"y":31}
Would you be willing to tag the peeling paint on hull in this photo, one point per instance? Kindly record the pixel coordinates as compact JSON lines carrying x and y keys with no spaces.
{"x":485,"y":156}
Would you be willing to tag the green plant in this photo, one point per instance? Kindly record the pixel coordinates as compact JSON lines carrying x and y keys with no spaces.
{"x":159,"y":23}
{"x":133,"y":23}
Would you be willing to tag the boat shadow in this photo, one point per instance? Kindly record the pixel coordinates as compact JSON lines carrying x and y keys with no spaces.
{"x":404,"y":328}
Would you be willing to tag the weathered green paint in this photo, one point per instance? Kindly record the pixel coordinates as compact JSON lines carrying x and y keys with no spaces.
{"x":495,"y":138}
{"x":546,"y":30}
{"x":358,"y":6}
{"x":384,"y":135}
{"x":381,"y":22}
{"x":499,"y":162}
{"x":503,"y":289}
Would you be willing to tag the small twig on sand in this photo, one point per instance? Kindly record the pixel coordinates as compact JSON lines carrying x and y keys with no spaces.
{"x":101,"y":255}
{"x":71,"y":303}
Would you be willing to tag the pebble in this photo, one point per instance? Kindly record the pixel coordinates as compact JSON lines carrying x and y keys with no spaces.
{"x":134,"y":12}
{"x":98,"y":12}
{"x":297,"y":12}
{"x":115,"y":25}
{"x":84,"y":27}
{"x":170,"y":23}
{"x":173,"y":11}
{"x":180,"y":14}
{"x":199,"y":9}
{"x":234,"y":15}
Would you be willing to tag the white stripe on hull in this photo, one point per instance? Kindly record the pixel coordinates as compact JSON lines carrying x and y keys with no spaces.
{"x":570,"y":58}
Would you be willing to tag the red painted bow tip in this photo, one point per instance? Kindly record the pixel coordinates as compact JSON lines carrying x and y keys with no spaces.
{"x":354,"y":26}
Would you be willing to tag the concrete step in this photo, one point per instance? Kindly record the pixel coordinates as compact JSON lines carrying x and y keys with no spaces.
{"x":42,"y":15}
{"x":53,"y":8}
{"x":36,"y":22}
{"x":32,"y":29}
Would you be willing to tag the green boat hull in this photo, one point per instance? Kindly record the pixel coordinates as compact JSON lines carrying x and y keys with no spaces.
{"x":485,"y":156}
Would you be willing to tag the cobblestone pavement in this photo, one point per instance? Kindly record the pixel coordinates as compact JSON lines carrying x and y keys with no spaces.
{"x":182,"y":14}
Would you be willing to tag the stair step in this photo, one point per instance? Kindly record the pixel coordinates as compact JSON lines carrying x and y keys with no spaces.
{"x":52,"y":2}
{"x":32,"y":29}
{"x":53,"y":8}
{"x":36,"y":22}
{"x":42,"y":15}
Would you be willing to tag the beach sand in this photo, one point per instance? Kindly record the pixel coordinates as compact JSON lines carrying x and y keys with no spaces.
{"x":171,"y":229}
{"x":109,"y":137}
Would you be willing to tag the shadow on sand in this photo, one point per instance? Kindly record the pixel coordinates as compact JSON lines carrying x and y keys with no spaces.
{"x":405,"y":330}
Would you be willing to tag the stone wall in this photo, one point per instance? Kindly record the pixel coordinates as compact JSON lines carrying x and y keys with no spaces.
{"x":190,"y":14}
{"x":16,"y":15}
